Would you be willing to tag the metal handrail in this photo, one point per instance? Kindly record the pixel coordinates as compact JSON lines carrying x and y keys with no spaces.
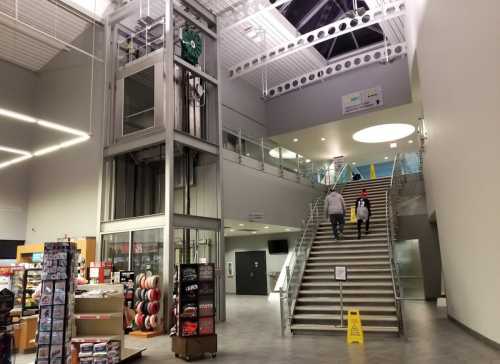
{"x":295,"y":268}
{"x":390,"y":230}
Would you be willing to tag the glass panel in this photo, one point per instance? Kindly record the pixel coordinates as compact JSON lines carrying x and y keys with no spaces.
{"x":140,"y":183}
{"x":202,"y":246}
{"x":147,"y":251}
{"x":116,"y":249}
{"x":407,"y":257}
{"x":139,"y":97}
{"x":230,"y":141}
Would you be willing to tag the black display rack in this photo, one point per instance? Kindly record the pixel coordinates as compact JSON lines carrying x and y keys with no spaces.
{"x":195,"y":311}
{"x":57,"y":303}
{"x":31,"y":280}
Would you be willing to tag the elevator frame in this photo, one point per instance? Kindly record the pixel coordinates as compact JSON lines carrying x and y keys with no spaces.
{"x":164,"y":132}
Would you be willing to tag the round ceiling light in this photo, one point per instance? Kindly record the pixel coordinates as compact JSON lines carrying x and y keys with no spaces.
{"x":285,"y":153}
{"x":383,"y":133}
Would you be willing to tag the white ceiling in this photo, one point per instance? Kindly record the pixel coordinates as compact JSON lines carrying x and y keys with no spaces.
{"x":236,"y":46}
{"x":339,"y":140}
{"x":21,"y":44}
{"x":234,"y":228}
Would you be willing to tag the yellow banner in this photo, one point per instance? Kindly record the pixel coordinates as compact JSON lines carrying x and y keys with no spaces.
{"x":373,"y":175}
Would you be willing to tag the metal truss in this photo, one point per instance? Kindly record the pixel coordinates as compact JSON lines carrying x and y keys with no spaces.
{"x":246,"y":11}
{"x":335,"y":68}
{"x":327,"y":32}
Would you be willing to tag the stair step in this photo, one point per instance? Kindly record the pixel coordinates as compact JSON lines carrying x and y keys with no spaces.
{"x":331,"y":328}
{"x":336,"y":308}
{"x":353,"y":251}
{"x":333,"y":283}
{"x":350,"y":277}
{"x":348,"y":257}
{"x":350,"y":270}
{"x":384,"y":263}
{"x":335,"y":247}
{"x":348,"y":292}
{"x":330,"y":317}
{"x":347,"y":300}
{"x":331,"y":242}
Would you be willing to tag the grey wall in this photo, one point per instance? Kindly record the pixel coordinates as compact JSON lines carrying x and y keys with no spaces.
{"x":246,"y":190}
{"x":274,"y":262}
{"x":64,"y":185}
{"x":460,"y":93}
{"x":242,"y":107}
{"x":322,"y":102}
{"x":17,"y":87}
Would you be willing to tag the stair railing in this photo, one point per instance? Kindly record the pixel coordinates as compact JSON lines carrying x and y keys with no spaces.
{"x":391,"y":229}
{"x":295,"y":268}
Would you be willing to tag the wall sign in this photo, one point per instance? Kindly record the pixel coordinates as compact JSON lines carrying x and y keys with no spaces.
{"x":341,"y":273}
{"x":362,"y":100}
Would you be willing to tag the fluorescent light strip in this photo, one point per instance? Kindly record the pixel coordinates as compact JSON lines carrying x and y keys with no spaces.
{"x":14,"y":150}
{"x":57,"y":147}
{"x":17,"y":116}
{"x":14,"y":161}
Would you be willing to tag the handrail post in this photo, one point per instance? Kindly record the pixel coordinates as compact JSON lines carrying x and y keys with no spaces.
{"x":282,"y":311}
{"x":281,"y":161}
{"x":240,"y":145}
{"x":262,"y":153}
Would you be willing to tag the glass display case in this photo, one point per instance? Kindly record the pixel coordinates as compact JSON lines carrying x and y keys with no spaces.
{"x":31,"y":281}
{"x":117,"y":250}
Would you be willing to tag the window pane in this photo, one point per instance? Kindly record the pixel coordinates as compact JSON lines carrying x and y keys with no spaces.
{"x":116,"y":249}
{"x":139,"y":97}
{"x":147,"y":251}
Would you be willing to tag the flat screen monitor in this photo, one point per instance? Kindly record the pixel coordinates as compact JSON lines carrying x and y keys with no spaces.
{"x":277,"y":246}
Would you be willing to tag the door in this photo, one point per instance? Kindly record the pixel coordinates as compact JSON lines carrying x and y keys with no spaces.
{"x":251,"y":273}
{"x":407,"y":257}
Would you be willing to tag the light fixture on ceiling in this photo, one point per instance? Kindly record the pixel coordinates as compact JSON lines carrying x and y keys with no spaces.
{"x":231,"y":231}
{"x":353,"y":163}
{"x":308,"y":160}
{"x":266,"y":227}
{"x":383,"y":133}
{"x":386,"y":158}
{"x":254,"y":232}
{"x":80,"y":137}
{"x":393,"y":145}
{"x":323,"y":139}
{"x":287,"y":229}
{"x":285,"y":153}
{"x":248,"y":154}
{"x":241,"y":224}
{"x":410,"y":141}
{"x":295,"y":140}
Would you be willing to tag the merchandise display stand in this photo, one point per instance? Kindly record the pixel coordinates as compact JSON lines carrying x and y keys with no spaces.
{"x":195,"y":312}
{"x":147,"y":295}
{"x":99,"y":319}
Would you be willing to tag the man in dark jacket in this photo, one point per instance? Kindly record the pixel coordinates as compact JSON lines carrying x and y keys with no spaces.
{"x":363,"y":211}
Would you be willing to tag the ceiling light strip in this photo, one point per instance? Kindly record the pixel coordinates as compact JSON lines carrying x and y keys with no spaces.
{"x":245,"y":12}
{"x":14,"y":150}
{"x":327,"y":32}
{"x":15,"y":160}
{"x":336,"y":68}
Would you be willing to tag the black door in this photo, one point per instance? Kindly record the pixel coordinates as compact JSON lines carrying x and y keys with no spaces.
{"x":251,"y":275}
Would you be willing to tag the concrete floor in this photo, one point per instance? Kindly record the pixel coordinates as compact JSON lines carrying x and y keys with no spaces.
{"x":252,"y":335}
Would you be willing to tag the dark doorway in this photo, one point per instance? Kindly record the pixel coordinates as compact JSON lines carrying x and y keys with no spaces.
{"x":251,"y":273}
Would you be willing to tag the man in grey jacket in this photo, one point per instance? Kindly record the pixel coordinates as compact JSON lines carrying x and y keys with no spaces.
{"x":335,"y":210}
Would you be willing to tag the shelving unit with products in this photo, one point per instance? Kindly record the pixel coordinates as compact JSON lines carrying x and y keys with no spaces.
{"x":31,"y":281}
{"x":195,"y":311}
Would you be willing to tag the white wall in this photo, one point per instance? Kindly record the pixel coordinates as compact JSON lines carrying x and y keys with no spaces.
{"x":458,"y":58}
{"x":242,"y":107}
{"x":274,"y":262}
{"x":64,"y":185}
{"x":16,"y":93}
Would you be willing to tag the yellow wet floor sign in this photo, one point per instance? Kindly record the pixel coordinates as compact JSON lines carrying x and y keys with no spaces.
{"x":354,"y":327}
{"x":353,"y":215}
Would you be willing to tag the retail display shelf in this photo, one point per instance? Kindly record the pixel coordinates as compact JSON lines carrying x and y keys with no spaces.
{"x":95,"y":338}
{"x":98,"y":315}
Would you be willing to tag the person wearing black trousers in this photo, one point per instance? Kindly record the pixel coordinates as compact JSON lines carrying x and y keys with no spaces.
{"x":363,"y":212}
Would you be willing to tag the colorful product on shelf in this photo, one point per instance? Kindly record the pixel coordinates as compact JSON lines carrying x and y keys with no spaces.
{"x":147,"y":295}
{"x":56,"y":303}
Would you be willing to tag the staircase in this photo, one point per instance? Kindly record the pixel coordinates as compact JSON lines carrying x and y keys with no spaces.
{"x":369,"y":287}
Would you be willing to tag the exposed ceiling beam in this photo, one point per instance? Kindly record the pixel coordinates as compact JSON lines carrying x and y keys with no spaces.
{"x":246,"y":12}
{"x":336,"y":68}
{"x":322,"y":34}
{"x":316,"y":8}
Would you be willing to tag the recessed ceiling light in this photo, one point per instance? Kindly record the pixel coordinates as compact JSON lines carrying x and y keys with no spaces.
{"x":266,"y":227}
{"x":308,"y":161}
{"x":410,"y":141}
{"x":353,"y":163}
{"x":323,"y":139}
{"x":248,"y":154}
{"x":295,"y":140}
{"x":287,"y":229}
{"x":231,"y":231}
{"x":241,"y":224}
{"x":254,"y":232}
{"x":383,"y":133}
{"x":393,"y":145}
{"x":386,"y":158}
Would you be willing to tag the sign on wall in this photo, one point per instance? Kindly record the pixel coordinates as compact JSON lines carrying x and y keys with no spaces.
{"x":362,"y":100}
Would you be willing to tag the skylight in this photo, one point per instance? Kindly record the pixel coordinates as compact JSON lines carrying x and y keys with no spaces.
{"x":94,"y":8}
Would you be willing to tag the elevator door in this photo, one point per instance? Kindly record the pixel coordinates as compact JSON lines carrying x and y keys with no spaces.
{"x":251,"y":275}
